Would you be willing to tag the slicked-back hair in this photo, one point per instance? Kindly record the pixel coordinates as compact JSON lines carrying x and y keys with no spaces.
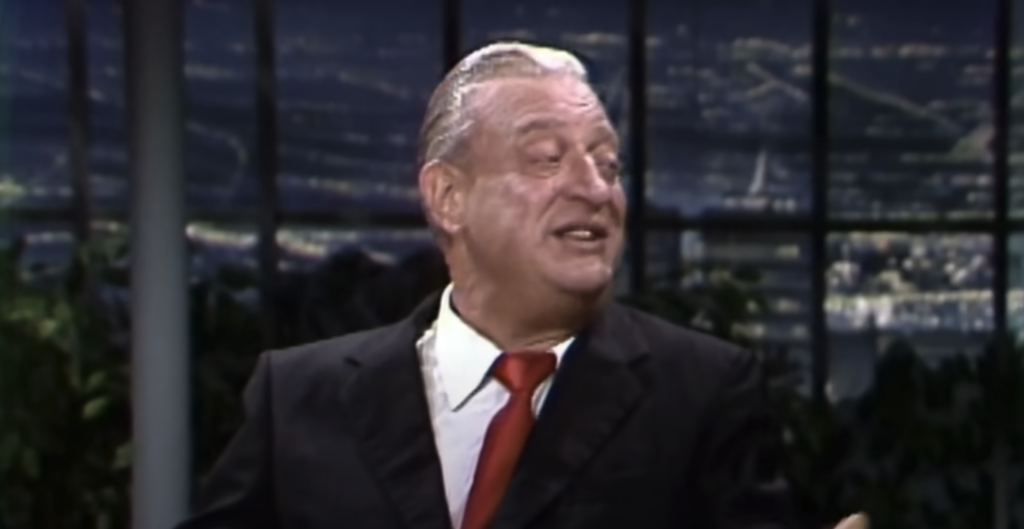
{"x":448,"y":118}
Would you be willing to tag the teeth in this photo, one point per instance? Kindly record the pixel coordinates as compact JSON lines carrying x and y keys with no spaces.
{"x":580,"y":234}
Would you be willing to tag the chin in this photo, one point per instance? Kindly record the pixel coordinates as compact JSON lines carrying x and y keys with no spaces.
{"x":585,"y":283}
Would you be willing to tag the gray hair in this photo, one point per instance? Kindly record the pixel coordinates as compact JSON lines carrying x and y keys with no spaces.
{"x":448,"y":121}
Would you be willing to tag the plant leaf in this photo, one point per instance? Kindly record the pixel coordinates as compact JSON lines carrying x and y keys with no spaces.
{"x":94,"y":408}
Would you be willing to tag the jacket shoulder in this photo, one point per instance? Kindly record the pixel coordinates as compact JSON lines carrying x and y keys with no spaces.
{"x":324,"y":358}
{"x":671,"y":344}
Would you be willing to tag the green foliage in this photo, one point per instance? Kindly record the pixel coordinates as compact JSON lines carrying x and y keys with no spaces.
{"x":63,"y":399}
{"x":65,"y":418}
{"x":719,"y":302}
{"x":915,"y":451}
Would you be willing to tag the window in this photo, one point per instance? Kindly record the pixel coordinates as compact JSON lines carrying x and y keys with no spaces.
{"x":731,"y":144}
{"x":34,"y":172}
{"x":729,"y":107}
{"x":353,"y":81}
{"x":932,"y":291}
{"x":766,"y":271}
{"x":108,"y":117}
{"x":911,"y":99}
{"x":307,"y":246}
{"x":220,"y":111}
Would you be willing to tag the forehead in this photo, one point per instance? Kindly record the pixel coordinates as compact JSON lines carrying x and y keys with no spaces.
{"x":513,"y":104}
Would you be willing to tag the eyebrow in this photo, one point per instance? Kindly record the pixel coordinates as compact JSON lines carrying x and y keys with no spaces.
{"x":606,"y":134}
{"x":533,"y":125}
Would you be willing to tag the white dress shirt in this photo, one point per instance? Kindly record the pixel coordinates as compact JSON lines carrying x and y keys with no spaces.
{"x":462,"y":397}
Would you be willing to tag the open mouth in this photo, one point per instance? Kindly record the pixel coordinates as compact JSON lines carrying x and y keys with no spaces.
{"x":583,"y":232}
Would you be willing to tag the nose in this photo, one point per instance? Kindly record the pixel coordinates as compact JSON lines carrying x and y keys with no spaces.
{"x":588,"y":183}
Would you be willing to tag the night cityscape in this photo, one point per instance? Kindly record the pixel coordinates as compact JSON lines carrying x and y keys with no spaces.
{"x":729,"y":137}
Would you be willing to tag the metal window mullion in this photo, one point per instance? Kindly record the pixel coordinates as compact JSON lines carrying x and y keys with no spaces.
{"x":1001,"y":94}
{"x":821,"y":139}
{"x":268,"y":214}
{"x":451,"y":33}
{"x":78,"y":115}
{"x":636,"y":234}
{"x":1003,"y":346}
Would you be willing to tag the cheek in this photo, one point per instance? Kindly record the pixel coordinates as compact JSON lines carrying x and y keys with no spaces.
{"x":497,"y":210}
{"x":619,"y":203}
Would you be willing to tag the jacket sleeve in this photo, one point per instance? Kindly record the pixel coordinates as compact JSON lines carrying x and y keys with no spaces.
{"x":741,"y":480}
{"x":239,"y":491}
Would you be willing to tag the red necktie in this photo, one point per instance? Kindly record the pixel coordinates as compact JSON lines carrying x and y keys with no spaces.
{"x":520,"y":373}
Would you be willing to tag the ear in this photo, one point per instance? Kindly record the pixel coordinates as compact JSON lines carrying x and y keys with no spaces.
{"x":444,"y":188}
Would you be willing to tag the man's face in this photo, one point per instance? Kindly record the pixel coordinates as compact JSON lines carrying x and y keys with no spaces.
{"x":545,"y":203}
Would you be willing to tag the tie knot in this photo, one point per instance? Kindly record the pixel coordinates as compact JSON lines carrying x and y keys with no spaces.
{"x":524,"y":371}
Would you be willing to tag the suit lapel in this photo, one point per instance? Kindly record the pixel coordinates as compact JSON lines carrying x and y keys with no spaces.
{"x":386,"y":400}
{"x":593,"y":392}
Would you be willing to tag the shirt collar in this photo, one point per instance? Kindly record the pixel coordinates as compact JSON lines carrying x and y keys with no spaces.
{"x":464,"y":356}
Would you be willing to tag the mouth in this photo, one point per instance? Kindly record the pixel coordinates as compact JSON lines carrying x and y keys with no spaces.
{"x":582,"y":232}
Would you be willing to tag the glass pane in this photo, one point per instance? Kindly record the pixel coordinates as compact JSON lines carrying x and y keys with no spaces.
{"x":353,"y":82}
{"x":217,"y":245}
{"x":49,"y":247}
{"x":729,"y":107}
{"x":1017,"y":115}
{"x":212,"y":246}
{"x":758,"y":281}
{"x":44,"y":246}
{"x":305,"y":247}
{"x":1015,"y":297}
{"x":933,"y":292}
{"x":220,"y":112}
{"x":911,"y":94}
{"x":108,"y":148}
{"x":34,"y":170}
{"x":224,"y":256}
{"x":595,"y":31}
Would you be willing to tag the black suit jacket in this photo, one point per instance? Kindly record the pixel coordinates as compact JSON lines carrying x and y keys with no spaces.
{"x":647,"y":425}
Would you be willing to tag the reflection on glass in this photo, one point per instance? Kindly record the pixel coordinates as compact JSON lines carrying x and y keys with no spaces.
{"x":1015,"y":297}
{"x":220,"y":112}
{"x":353,"y":81}
{"x":50,"y":247}
{"x":108,"y":156}
{"x":217,"y":245}
{"x":912,"y":284}
{"x":781,"y":261}
{"x":595,"y":31}
{"x":931,"y":291}
{"x":33,"y":106}
{"x":215,"y":248}
{"x":42,"y":246}
{"x":302,"y":247}
{"x":911,"y":109}
{"x":211,"y":245}
{"x":729,"y":107}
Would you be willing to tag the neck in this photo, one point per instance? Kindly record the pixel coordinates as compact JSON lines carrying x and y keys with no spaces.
{"x":517,"y":318}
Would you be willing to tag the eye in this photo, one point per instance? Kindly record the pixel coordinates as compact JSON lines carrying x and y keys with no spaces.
{"x":551,"y":158}
{"x":545,"y":155}
{"x":610,"y":168}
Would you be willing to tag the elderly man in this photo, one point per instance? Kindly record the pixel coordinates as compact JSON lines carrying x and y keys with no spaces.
{"x":520,"y":396}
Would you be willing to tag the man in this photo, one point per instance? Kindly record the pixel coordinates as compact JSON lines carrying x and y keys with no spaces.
{"x":520,"y":396}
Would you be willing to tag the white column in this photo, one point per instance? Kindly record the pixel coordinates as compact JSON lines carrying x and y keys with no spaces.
{"x":160,"y":344}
